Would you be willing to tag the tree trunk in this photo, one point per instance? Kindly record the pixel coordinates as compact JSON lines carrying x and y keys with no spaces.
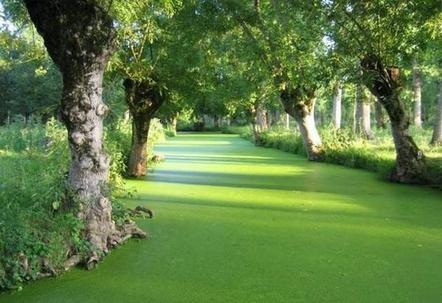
{"x":385,"y":84}
{"x":379,"y":115}
{"x":79,"y":38}
{"x":437,"y":131}
{"x":417,"y":94}
{"x":261,"y":119}
{"x":173,"y":124}
{"x":337,"y":106}
{"x":362,"y":117}
{"x":299,"y":103}
{"x":144,"y":99}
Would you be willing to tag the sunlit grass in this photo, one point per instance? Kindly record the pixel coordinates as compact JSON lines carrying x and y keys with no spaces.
{"x":235,"y":223}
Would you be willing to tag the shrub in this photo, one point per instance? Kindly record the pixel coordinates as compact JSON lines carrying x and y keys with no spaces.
{"x":34,"y":234}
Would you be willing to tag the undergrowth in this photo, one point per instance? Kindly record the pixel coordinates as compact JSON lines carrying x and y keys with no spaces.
{"x":344,"y":147}
{"x":36,"y":234}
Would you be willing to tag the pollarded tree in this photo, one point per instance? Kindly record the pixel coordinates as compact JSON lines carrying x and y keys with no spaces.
{"x":140,"y":60}
{"x":79,"y":37}
{"x":381,"y":33}
{"x":288,"y":38}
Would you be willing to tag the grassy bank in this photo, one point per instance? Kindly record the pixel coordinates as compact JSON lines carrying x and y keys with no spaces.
{"x":343,"y":147}
{"x":36,"y":234}
{"x":236,"y":223}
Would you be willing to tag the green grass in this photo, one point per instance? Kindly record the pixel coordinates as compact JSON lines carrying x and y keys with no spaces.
{"x":237,"y":223}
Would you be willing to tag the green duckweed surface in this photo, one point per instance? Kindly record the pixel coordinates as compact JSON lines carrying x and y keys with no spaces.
{"x":236,"y":223}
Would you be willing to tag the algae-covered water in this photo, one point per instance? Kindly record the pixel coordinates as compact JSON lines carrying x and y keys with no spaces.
{"x":236,"y":223}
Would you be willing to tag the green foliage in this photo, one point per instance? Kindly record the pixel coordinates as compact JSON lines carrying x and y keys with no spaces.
{"x":34,"y":235}
{"x":30,"y":84}
{"x":36,"y":232}
{"x":245,"y":132}
{"x":19,"y":138}
{"x":118,"y":137}
{"x":283,"y":140}
{"x":343,"y":147}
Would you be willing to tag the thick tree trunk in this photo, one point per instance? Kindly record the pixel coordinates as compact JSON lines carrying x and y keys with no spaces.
{"x":300,"y":104}
{"x":385,"y":84}
{"x":173,"y":124}
{"x":363,"y":114}
{"x":261,"y":119}
{"x":144,"y":99}
{"x":259,"y":122}
{"x":137,"y":165}
{"x":79,"y":38}
{"x":437,"y":130}
{"x":337,"y":106}
{"x":417,"y":94}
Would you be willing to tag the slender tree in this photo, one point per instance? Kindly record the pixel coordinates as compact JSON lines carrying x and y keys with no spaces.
{"x":337,"y":106}
{"x":362,"y":115}
{"x":437,"y":130}
{"x":417,"y":94}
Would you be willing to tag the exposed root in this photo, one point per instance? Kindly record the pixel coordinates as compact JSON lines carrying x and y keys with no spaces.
{"x":72,"y":261}
{"x":141,"y":210}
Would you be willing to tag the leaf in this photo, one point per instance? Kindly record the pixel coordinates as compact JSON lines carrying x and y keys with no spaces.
{"x":56,"y":205}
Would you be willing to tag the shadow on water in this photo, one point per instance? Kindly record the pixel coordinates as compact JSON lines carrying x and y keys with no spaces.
{"x":243,"y":160}
{"x":240,"y":165}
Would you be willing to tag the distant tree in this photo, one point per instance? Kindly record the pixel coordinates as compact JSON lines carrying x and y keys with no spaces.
{"x":287,"y":38}
{"x":30,"y":83}
{"x":417,"y":94}
{"x":363,"y":113}
{"x":437,"y":131}
{"x":141,"y":60}
{"x":337,"y":105}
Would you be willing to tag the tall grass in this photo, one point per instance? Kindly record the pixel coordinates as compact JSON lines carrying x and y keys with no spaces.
{"x":35,"y":234}
{"x":344,"y":147}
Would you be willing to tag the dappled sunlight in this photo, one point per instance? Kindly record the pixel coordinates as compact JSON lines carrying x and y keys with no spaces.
{"x":249,"y":197}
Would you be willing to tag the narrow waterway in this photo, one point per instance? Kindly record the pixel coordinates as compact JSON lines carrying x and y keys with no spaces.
{"x":236,"y":223}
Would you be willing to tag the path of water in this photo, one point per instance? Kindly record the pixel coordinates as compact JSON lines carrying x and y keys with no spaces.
{"x":236,"y":223}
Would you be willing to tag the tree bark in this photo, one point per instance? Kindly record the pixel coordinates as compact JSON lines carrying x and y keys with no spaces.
{"x":79,"y":38}
{"x":173,"y":124}
{"x":299,"y":103}
{"x":144,"y":98}
{"x":417,"y":94}
{"x":385,"y":84}
{"x":437,"y":130}
{"x":337,"y":106}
